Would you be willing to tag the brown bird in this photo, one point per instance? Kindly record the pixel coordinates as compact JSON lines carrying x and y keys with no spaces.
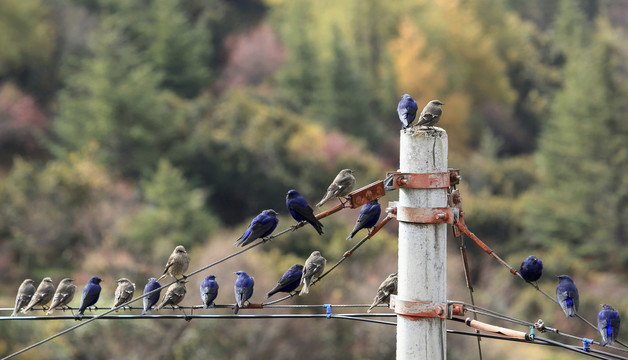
{"x":174,"y":294}
{"x":63,"y":295}
{"x":387,"y":287}
{"x":177,"y":264}
{"x":314,"y":266}
{"x":124,"y":292}
{"x":24,"y":295}
{"x":431,"y":114}
{"x":43,"y":295}
{"x":341,"y":186}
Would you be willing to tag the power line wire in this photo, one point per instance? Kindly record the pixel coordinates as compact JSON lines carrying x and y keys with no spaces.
{"x":262,"y":241}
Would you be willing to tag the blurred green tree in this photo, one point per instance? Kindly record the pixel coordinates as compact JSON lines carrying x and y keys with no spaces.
{"x":173,"y":214}
{"x":580,"y":200}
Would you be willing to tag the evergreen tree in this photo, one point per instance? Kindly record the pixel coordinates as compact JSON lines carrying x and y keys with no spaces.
{"x":114,"y":99}
{"x":579,"y":196}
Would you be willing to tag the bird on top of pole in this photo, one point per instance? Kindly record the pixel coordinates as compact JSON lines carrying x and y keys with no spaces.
{"x":406,"y":109}
{"x":431,"y":114}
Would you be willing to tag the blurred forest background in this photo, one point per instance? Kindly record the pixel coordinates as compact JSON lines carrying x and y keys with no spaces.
{"x":128,"y":127}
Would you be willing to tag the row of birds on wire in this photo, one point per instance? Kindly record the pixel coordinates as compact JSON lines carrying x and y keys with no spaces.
{"x":260,"y":227}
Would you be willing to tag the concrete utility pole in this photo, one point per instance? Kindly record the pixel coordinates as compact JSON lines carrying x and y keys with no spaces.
{"x":422,"y":247}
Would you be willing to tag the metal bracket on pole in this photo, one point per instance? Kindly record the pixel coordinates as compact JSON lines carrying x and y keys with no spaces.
{"x":425,"y":215}
{"x":424,"y":309}
{"x":367,"y":193}
{"x":440,"y":180}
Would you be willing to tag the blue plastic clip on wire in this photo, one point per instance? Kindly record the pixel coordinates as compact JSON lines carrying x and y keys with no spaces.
{"x":328,"y":307}
{"x":586,"y":344}
{"x":532,"y":332}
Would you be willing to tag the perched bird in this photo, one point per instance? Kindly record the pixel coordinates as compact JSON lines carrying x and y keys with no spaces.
{"x":177,"y":264}
{"x":24,"y":295}
{"x":313,"y":268}
{"x":608,"y":324}
{"x":407,"y":109}
{"x":150,"y":300}
{"x":387,"y":287}
{"x":341,"y":186}
{"x":369,"y":214}
{"x":243,"y":289}
{"x":91,"y":293}
{"x":174,"y":294}
{"x":261,"y":226}
{"x":567,"y":295}
{"x":289,"y":281}
{"x":209,"y":291}
{"x":124,"y":292}
{"x":44,"y":293}
{"x":302,"y":211}
{"x":531,"y":268}
{"x":431,"y":114}
{"x":63,"y":295}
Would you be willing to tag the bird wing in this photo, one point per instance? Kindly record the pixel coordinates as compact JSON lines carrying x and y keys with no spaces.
{"x":87,"y":300}
{"x":366,"y":218}
{"x":573,"y":294}
{"x":403,"y":116}
{"x":290,"y":279}
{"x":307,"y":213}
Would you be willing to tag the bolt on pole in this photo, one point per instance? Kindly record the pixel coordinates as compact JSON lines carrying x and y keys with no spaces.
{"x":422,"y":247}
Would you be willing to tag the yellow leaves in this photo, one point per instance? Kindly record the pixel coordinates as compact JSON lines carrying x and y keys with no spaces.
{"x":455,"y":114}
{"x":417,"y":67}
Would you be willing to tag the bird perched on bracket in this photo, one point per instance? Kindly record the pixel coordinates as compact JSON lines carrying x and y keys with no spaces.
{"x":261,"y":226}
{"x":369,"y":214}
{"x":567,"y":295}
{"x":24,"y":295}
{"x":431,"y":114}
{"x":406,"y":109}
{"x":386,"y":288}
{"x":608,"y":324}
{"x":177,"y":264}
{"x":301,"y":210}
{"x":531,"y":268}
{"x":341,"y":186}
{"x":63,"y":295}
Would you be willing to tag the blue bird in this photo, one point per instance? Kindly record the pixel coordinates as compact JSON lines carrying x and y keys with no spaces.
{"x":301,"y":210}
{"x":261,"y":226}
{"x":567,"y":295}
{"x":150,"y":300}
{"x":243,"y":289}
{"x":369,"y":214}
{"x":91,"y":292}
{"x":608,"y":324}
{"x":289,"y":281}
{"x":531,"y":268}
{"x":209,"y":291}
{"x":407,"y":109}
